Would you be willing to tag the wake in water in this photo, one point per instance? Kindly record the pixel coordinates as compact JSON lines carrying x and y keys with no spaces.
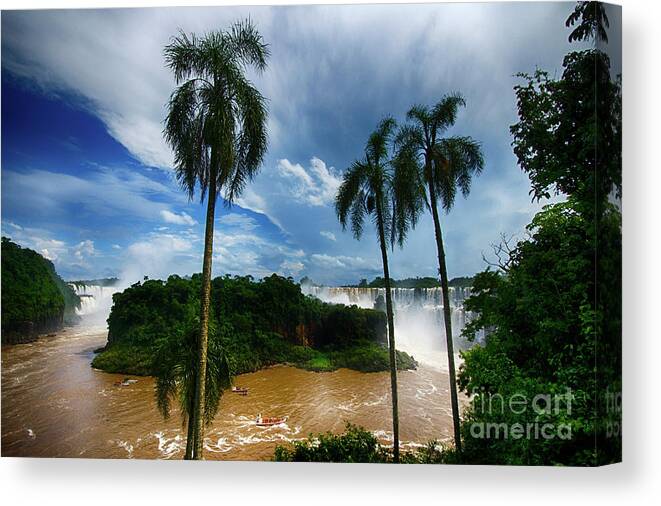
{"x":56,"y":405}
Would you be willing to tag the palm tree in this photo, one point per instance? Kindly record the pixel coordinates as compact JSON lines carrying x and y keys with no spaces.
{"x":378,"y":187}
{"x":176,"y":362}
{"x":216,"y":126}
{"x":445,"y":165}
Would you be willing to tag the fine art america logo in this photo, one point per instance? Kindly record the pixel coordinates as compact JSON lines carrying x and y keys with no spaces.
{"x":541,"y":409}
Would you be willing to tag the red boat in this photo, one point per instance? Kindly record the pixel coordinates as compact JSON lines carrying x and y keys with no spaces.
{"x":269,"y":421}
{"x":240,"y":390}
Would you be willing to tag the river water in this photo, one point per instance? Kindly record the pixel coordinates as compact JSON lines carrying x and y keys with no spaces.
{"x":55,"y":405}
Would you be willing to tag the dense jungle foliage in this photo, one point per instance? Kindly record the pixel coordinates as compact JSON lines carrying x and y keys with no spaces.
{"x":257,"y":323}
{"x":552,"y":355}
{"x":33,"y":295}
{"x":357,"y":445}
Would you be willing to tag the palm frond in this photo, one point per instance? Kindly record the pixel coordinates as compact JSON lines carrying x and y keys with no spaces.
{"x":183,"y":132}
{"x":456,"y":161}
{"x":408,"y":194}
{"x":181,"y":55}
{"x":444,"y":113}
{"x":251,"y":140}
{"x":420,"y":114}
{"x":376,"y":149}
{"x":176,"y":364}
{"x":409,"y":137}
{"x":216,"y":122}
{"x":247,"y":44}
{"x":350,"y":199}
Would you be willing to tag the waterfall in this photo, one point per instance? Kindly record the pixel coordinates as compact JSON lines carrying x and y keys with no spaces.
{"x":418,"y":313}
{"x":95,"y":301}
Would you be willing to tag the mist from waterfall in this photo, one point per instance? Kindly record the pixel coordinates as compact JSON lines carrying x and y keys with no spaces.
{"x":418,"y":314}
{"x":95,"y":302}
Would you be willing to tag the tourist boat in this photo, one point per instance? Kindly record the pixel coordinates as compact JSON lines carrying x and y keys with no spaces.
{"x":125,"y":383}
{"x":269,"y":421}
{"x":240,"y":390}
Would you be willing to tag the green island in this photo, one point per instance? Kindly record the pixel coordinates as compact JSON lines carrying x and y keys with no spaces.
{"x":35,"y":300}
{"x":257,"y":323}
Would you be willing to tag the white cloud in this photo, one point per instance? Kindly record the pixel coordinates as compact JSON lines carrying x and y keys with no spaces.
{"x":316,"y":187}
{"x":329,"y":182}
{"x":116,"y":246}
{"x":14,"y":225}
{"x":240,"y":221}
{"x":103,"y":192}
{"x":246,"y":252}
{"x":52,"y":249}
{"x":291,"y":268}
{"x":83,"y":51}
{"x":252,"y":201}
{"x":69,"y":259}
{"x":342,"y":262}
{"x":84,"y":249}
{"x":158,"y":255}
{"x":177,"y":219}
{"x":328,"y":235}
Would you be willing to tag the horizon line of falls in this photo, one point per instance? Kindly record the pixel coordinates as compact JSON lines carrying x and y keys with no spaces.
{"x":95,"y":302}
{"x":418,"y":316}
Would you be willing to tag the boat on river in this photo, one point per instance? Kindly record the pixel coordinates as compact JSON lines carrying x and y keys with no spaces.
{"x":126,"y":382}
{"x":269,"y":421}
{"x":240,"y":390}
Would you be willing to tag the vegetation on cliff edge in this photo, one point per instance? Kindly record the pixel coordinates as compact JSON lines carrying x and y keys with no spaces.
{"x":258,"y":323}
{"x":33,"y":295}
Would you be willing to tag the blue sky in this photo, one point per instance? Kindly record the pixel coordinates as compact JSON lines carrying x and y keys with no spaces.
{"x":87,"y":178}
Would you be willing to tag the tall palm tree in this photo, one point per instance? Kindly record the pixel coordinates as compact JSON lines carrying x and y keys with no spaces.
{"x":445,"y":165}
{"x":216,"y":126}
{"x":378,"y":186}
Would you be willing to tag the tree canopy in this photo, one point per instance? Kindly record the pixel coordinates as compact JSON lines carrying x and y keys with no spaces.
{"x":31,"y":289}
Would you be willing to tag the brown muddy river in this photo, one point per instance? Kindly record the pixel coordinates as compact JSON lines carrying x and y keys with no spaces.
{"x":55,"y":405}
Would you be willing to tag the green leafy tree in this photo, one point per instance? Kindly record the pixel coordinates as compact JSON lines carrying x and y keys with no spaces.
{"x":356,"y":444}
{"x":379,"y":186}
{"x":35,"y":299}
{"x":553,"y":318}
{"x":592,"y":22}
{"x":546,"y":336}
{"x":568,"y":138}
{"x":216,"y":126}
{"x":445,"y":166}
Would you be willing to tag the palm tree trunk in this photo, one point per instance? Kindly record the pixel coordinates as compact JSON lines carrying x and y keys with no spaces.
{"x":190,"y":437}
{"x":205,"y":302}
{"x":447,"y":316}
{"x":391,"y":341}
